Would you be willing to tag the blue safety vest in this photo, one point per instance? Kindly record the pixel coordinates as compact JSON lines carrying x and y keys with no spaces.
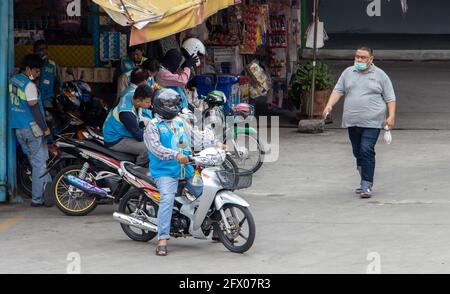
{"x":20,"y":115}
{"x":47,"y":80}
{"x":113,"y":129}
{"x":169,"y":139}
{"x":127,"y":65}
{"x":126,"y":100}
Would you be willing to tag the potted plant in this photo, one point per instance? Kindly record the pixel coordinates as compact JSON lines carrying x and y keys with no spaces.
{"x":300,"y":88}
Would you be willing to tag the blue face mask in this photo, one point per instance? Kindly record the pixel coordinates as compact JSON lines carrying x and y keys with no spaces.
{"x":360,"y":66}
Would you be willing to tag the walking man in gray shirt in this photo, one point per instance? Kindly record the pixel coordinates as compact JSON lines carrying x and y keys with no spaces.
{"x":369,"y":106}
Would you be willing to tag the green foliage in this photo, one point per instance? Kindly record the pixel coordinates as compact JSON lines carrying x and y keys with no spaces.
{"x":301,"y":80}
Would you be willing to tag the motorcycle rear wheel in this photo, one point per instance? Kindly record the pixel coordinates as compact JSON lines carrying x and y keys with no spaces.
{"x":254,"y":157}
{"x":66,"y":200}
{"x":128,"y":204}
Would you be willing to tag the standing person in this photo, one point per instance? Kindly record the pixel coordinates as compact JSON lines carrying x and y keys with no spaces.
{"x":134,"y":59}
{"x":49,"y":80}
{"x":175,"y":75}
{"x":151,"y":66}
{"x":122,"y":131}
{"x":369,"y":106}
{"x":26,"y":116}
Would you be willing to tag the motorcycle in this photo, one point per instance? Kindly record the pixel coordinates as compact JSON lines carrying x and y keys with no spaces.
{"x":248,"y":150}
{"x":97,"y":165}
{"x":218,"y":209}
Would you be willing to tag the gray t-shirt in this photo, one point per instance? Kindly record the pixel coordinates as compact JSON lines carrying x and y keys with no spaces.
{"x":366,"y":96}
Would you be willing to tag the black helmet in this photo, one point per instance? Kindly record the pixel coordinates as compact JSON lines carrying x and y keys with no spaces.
{"x":166,"y":103}
{"x":216,"y":98}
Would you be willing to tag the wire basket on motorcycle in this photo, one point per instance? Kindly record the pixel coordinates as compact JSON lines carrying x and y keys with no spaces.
{"x":235,"y":179}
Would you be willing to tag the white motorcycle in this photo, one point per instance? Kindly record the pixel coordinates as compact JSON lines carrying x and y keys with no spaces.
{"x":218,"y":208}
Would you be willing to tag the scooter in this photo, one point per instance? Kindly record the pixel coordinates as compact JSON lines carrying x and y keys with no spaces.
{"x":218,"y":208}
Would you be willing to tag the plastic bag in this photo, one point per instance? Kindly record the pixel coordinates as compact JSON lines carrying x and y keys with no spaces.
{"x":387,"y":136}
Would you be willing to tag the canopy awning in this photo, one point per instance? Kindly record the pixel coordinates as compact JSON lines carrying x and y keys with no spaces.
{"x":156,"y":19}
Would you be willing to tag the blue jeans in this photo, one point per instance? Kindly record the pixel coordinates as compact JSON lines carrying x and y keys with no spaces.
{"x":168,"y":187}
{"x":37,"y":153}
{"x":363,"y":144}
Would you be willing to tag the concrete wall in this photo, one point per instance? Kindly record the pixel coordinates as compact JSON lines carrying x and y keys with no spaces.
{"x":350,"y":16}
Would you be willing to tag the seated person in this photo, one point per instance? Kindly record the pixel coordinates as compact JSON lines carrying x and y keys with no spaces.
{"x":122,"y":131}
{"x":174,"y":75}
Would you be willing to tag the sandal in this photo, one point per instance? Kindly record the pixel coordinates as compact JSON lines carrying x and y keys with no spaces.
{"x":161,"y":250}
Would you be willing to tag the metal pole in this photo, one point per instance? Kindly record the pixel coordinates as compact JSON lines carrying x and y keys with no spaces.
{"x":4,"y":46}
{"x":313,"y":86}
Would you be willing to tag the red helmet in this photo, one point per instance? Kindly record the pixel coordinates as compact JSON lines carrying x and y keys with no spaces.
{"x":243,"y":109}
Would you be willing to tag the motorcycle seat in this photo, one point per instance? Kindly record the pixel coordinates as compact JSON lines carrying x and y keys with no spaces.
{"x":141,"y":172}
{"x":120,"y":156}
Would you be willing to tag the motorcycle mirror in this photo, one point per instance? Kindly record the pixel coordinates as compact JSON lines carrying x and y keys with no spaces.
{"x":69,"y":71}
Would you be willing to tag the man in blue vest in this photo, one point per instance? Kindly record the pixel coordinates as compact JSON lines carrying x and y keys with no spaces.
{"x":169,"y":142}
{"x":26,"y":117}
{"x":49,"y":81}
{"x":122,"y":131}
{"x":134,"y":59}
{"x":137,"y":77}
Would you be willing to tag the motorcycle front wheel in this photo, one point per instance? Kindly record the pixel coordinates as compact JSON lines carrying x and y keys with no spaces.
{"x":131,"y":204}
{"x":242,"y":228}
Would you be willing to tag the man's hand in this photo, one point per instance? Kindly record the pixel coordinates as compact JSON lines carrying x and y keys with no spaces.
{"x":390,"y":122}
{"x":222,"y":146}
{"x":47,"y":132}
{"x":182,"y":159}
{"x":327,"y":111}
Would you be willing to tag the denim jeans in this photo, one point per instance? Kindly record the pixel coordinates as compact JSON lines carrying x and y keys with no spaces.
{"x":363,"y":144}
{"x":168,"y":187}
{"x":37,"y":153}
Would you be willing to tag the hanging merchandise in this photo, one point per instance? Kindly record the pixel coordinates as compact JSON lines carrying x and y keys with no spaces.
{"x":255,"y":19}
{"x":321,"y":35}
{"x":113,"y":46}
{"x":404,"y":6}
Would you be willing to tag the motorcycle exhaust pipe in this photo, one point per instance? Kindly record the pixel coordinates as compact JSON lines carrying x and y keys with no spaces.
{"x":134,"y":222}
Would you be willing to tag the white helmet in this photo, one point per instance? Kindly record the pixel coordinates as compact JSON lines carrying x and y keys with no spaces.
{"x":194,"y":46}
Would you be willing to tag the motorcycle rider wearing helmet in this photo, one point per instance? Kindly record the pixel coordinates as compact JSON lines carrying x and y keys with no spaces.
{"x":49,"y":80}
{"x":173,"y":76}
{"x":134,"y":59}
{"x":122,"y":131}
{"x":27,"y":119}
{"x":169,"y":141}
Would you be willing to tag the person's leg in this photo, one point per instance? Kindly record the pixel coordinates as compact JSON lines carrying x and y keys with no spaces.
{"x":37,"y":152}
{"x":167,"y":187}
{"x":367,"y":156}
{"x":355,"y":135}
{"x":131,"y":146}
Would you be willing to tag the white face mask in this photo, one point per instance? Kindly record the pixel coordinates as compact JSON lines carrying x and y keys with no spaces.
{"x":30,"y":76}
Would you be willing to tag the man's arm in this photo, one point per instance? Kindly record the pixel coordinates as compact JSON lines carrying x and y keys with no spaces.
{"x":338,"y":92}
{"x":334,"y":98}
{"x":390,"y":121}
{"x":32,"y":100}
{"x":166,"y":78}
{"x":131,"y":124}
{"x":153,"y":143}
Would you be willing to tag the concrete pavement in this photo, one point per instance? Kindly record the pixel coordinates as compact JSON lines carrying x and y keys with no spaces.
{"x":308,"y":218}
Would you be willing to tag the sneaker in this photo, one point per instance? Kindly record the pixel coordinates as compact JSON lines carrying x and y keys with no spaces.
{"x":358,"y":190}
{"x":366,"y":192}
{"x":34,"y":204}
